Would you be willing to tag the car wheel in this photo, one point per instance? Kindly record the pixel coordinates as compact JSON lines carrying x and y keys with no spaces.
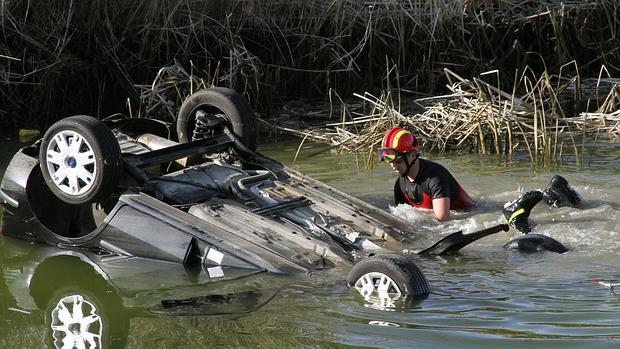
{"x":80,"y":160}
{"x":205,"y":109}
{"x":387,"y":278}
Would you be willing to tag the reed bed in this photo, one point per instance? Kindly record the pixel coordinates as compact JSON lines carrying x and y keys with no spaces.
{"x":478,"y":116}
{"x":65,"y":57}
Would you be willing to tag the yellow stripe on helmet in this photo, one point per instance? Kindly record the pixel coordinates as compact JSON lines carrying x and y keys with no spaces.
{"x":397,"y":136}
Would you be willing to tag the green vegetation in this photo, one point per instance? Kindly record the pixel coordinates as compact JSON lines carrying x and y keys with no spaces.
{"x":98,"y":57}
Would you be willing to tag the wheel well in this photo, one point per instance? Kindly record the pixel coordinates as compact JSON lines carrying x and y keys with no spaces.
{"x":63,"y":219}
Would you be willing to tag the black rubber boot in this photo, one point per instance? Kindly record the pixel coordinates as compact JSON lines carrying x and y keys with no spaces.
{"x":517,"y":212}
{"x":535,"y":243}
{"x":559,"y":193}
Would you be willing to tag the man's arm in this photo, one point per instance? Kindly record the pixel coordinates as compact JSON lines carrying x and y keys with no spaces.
{"x":441,"y":208}
{"x":439,"y":187}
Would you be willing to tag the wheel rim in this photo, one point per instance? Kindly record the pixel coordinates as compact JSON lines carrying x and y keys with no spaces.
{"x":70,"y":161}
{"x":377,"y":286}
{"x":76,"y":324}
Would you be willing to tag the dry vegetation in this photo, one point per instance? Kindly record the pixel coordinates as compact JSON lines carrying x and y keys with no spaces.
{"x":537,"y":115}
{"x":98,"y":57}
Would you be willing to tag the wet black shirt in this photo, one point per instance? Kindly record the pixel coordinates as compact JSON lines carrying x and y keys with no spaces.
{"x":433,"y":179}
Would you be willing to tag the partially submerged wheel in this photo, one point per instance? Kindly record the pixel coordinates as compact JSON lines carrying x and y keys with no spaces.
{"x":80,"y":160}
{"x":206,"y":110}
{"x":386,"y":278}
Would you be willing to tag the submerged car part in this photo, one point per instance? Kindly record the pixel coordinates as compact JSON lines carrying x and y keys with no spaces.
{"x":383,"y":279}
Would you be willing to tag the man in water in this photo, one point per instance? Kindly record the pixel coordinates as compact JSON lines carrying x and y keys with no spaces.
{"x":426,"y":184}
{"x":422,"y":183}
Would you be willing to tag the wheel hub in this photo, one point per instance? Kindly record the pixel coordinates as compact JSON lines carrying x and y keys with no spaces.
{"x":379,"y":289}
{"x":70,"y":160}
{"x":75,"y":329}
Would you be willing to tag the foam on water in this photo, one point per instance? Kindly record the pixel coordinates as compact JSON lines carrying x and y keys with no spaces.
{"x":591,"y":229}
{"x":488,"y":297}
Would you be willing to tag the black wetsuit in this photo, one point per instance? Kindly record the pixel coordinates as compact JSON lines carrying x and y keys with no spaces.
{"x":433,"y":181}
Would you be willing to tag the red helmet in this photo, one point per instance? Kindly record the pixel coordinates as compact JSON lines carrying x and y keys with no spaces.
{"x":397,"y":142}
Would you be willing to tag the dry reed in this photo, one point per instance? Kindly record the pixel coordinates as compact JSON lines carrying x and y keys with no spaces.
{"x":63,"y":57}
{"x":479,"y":116}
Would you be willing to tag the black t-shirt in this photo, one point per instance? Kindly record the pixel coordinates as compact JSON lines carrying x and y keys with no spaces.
{"x":433,"y":179}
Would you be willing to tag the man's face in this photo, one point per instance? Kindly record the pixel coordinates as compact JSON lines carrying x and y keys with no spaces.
{"x":399,"y":165}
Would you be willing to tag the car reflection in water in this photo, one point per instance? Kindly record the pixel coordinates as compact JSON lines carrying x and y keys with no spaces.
{"x":85,"y":300}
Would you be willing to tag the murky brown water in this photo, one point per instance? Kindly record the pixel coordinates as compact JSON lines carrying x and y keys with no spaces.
{"x":485,"y":297}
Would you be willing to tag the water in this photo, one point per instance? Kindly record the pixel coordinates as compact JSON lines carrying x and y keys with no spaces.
{"x":484,"y":297}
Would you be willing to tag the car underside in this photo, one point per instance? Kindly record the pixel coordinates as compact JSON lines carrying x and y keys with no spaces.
{"x":198,"y":194}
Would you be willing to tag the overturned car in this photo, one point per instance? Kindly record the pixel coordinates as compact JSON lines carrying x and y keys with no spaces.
{"x":198,"y":194}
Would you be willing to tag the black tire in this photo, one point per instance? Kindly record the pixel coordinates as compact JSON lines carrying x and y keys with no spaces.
{"x":61,"y":282}
{"x":103,"y":164}
{"x":218,"y":103}
{"x":408,"y":279}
